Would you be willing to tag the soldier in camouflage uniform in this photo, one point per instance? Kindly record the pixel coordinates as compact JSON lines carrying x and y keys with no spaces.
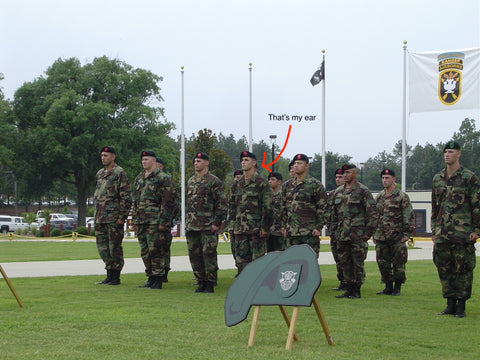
{"x":250,"y":211}
{"x":153,"y":205}
{"x":304,"y":207}
{"x":206,"y":209}
{"x":112,"y":201}
{"x":339,"y":181}
{"x":354,"y":218}
{"x":455,"y":229}
{"x":237,"y":174}
{"x":396,"y":223}
{"x":276,"y":241}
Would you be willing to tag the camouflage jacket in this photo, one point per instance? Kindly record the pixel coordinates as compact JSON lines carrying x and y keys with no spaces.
{"x":153,"y":199}
{"x":250,"y":206}
{"x":455,"y":206}
{"x":304,"y":205}
{"x":396,"y":219}
{"x":206,"y":204}
{"x":277,"y":204}
{"x":354,"y":214}
{"x":112,"y":197}
{"x":329,"y":213}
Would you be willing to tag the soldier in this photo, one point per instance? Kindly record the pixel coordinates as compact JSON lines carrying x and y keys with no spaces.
{"x":354,"y":218}
{"x":455,"y":229}
{"x":153,"y":206}
{"x":250,"y":210}
{"x":304,"y":205}
{"x":339,"y":181}
{"x":396,"y":223}
{"x":276,"y":241}
{"x":237,"y":174}
{"x":206,"y":209}
{"x":112,"y":201}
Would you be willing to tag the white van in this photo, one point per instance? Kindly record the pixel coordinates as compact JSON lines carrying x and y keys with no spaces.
{"x":13,"y":223}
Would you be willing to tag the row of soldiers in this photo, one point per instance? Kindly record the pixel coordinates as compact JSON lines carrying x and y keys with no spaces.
{"x":258,"y":219}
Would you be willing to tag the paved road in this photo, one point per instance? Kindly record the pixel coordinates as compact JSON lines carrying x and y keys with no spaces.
{"x":178,"y":263}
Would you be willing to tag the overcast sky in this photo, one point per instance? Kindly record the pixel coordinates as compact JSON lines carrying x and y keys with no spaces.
{"x":215,"y":40}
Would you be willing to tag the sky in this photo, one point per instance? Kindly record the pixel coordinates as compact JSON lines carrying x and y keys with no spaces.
{"x":215,"y":40}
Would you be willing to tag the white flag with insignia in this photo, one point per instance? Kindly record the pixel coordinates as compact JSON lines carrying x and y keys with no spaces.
{"x":444,"y":80}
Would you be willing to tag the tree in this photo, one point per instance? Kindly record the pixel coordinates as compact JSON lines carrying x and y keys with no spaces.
{"x":333,"y":161}
{"x":66,"y":116}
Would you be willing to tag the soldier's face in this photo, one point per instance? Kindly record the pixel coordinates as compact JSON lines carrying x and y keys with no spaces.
{"x":149,"y":163}
{"x":237,"y":177}
{"x":300,"y":167}
{"x":451,"y":156}
{"x":200,"y":164}
{"x":291,"y":172}
{"x":388,"y":181}
{"x":274,"y":183}
{"x":339,"y":179}
{"x":350,"y":175}
{"x":107,"y":158}
{"x":247,"y":163}
{"x":159,"y":166}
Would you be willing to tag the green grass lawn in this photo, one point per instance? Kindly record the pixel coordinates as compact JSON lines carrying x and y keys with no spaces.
{"x":71,"y":318}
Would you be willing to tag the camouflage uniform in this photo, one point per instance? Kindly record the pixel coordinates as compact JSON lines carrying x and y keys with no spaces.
{"x":250,"y":211}
{"x":112,"y":201}
{"x":354,"y":218}
{"x":455,"y":214}
{"x":304,"y":205}
{"x":333,"y":238}
{"x":153,"y":205}
{"x":206,"y":206}
{"x":276,"y":241}
{"x":396,"y":221}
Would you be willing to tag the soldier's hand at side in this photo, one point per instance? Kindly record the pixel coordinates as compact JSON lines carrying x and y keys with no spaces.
{"x":404,"y":239}
{"x":263,"y":233}
{"x":284,"y":232}
{"x":316,"y":232}
{"x":214,"y":229}
{"x":473,"y":237}
{"x":162,"y":227}
{"x":120,"y":222}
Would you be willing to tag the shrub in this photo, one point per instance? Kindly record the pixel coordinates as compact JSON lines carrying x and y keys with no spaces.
{"x":54,"y":232}
{"x":40,"y":233}
{"x":18,"y":232}
{"x":82,"y":230}
{"x":92,"y":233}
{"x":67,"y":232}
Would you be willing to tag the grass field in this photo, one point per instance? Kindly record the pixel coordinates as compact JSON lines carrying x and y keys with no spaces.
{"x":71,"y":318}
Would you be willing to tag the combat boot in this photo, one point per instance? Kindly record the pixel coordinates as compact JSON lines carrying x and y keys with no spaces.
{"x":451,"y":307}
{"x":388,"y":289}
{"x":340,"y":287}
{"x":347,"y":293}
{"x":107,"y":279}
{"x":115,"y":279}
{"x":460,"y":310}
{"x":201,"y":286}
{"x":157,"y":283}
{"x":148,"y":283}
{"x":209,"y":285}
{"x":396,"y":289}
{"x":355,"y":294}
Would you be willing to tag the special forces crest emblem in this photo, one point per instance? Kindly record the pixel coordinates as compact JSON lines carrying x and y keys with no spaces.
{"x":450,"y":66}
{"x":288,"y":279}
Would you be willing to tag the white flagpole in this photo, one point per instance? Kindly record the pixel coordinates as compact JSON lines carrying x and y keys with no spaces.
{"x":182,"y":161}
{"x":404,"y":120}
{"x":250,"y":140}
{"x":324,"y":179}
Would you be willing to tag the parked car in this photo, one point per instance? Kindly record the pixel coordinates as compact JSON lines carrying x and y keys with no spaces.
{"x":13,"y":223}
{"x":90,"y":221}
{"x":67,"y":223}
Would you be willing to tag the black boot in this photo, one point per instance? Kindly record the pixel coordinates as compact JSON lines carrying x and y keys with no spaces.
{"x":201,"y":286}
{"x":347,"y":293}
{"x":115,"y":279}
{"x":388,"y":289}
{"x":148,"y":283}
{"x":460,"y":310}
{"x":355,"y":294}
{"x":340,"y":287}
{"x":165,"y":277}
{"x":106,"y":280}
{"x":209,"y":285}
{"x":451,"y":307}
{"x":157,"y":282}
{"x":396,"y":289}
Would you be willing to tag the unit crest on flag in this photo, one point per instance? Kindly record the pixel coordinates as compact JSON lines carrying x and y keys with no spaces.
{"x":450,"y":66}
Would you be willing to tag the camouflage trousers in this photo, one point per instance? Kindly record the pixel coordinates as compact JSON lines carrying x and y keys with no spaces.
{"x":275,"y":243}
{"x":313,"y":241}
{"x":152,"y":248}
{"x":352,"y":255}
{"x":334,"y":249}
{"x":202,"y":251}
{"x":232,"y":246}
{"x":391,"y":259}
{"x":168,"y":245}
{"x":109,"y":244}
{"x":248,"y":247}
{"x":455,"y":264}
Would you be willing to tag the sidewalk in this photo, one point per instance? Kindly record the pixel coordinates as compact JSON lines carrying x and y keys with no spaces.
{"x":178,"y":263}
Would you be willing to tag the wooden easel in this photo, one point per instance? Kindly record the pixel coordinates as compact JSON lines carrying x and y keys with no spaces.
{"x":11,"y":287}
{"x":290,"y":324}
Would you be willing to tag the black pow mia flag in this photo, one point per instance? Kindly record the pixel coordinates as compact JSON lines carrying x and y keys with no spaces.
{"x":318,"y":75}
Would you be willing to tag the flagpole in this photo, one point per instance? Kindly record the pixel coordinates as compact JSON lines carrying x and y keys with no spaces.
{"x":404,"y":119}
{"x":324,"y":179}
{"x":250,"y":140}
{"x":182,"y":160}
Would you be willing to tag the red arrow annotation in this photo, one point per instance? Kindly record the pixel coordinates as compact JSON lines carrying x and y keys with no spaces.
{"x":266,"y":166}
